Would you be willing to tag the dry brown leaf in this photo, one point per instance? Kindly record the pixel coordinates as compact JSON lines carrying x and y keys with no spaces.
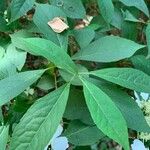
{"x":84,"y":22}
{"x":58,"y":25}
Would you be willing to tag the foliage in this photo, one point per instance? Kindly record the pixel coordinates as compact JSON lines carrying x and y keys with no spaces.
{"x":74,"y":62}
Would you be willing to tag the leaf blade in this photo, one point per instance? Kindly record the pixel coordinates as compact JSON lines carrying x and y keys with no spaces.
{"x":126,"y":77}
{"x":104,"y":114}
{"x":40,"y":118}
{"x":14,"y":85}
{"x":104,"y":50}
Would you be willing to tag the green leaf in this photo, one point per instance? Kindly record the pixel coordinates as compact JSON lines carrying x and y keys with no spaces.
{"x":15,"y":56}
{"x":46,"y":83}
{"x":72,"y":8}
{"x":148,"y":38}
{"x":105,"y":114}
{"x":47,"y":49}
{"x":127,"y":77}
{"x":80,"y":134}
{"x":12,"y":86}
{"x":19,"y":8}
{"x":106,"y":9}
{"x":3,"y":136}
{"x":3,"y":24}
{"x":104,"y":50}
{"x":50,"y":12}
{"x":84,"y":36}
{"x":2,"y":6}
{"x":76,"y":101}
{"x":139,"y":4}
{"x":40,"y":122}
{"x":130,"y":17}
{"x":140,"y":62}
{"x":127,"y":106}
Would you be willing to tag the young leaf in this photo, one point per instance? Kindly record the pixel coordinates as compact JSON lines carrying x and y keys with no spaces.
{"x":19,"y":8}
{"x":40,"y":122}
{"x":80,"y":134}
{"x":108,"y":49}
{"x":148,"y":38}
{"x":127,"y":77}
{"x":105,"y":114}
{"x":12,"y":86}
{"x":106,"y":9}
{"x":139,"y":4}
{"x":72,"y":8}
{"x":45,"y":13}
{"x":3,"y":136}
{"x":47,"y":49}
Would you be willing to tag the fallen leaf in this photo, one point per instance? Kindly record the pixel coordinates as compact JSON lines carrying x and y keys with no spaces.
{"x":58,"y":25}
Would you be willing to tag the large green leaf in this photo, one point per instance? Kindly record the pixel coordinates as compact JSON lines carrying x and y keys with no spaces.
{"x":47,"y":49}
{"x":139,"y":4}
{"x":127,"y":77}
{"x":40,"y":122}
{"x":72,"y":8}
{"x":128,"y":107}
{"x":20,"y":7}
{"x":105,"y":114}
{"x":106,"y":9}
{"x":80,"y":134}
{"x":12,"y":86}
{"x":108,"y":49}
{"x":148,"y":37}
{"x":45,"y":13}
{"x":3,"y":136}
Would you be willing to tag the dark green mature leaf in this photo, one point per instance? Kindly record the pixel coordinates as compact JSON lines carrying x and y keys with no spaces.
{"x":45,"y":13}
{"x":76,"y":107}
{"x":3,"y":24}
{"x":3,"y":136}
{"x":47,"y":49}
{"x":40,"y":122}
{"x":20,"y":7}
{"x":105,"y":114}
{"x":148,"y":37}
{"x":2,"y":6}
{"x":140,"y":62}
{"x":127,"y":77}
{"x":80,"y":134}
{"x":128,"y":107}
{"x":72,"y":8}
{"x":108,"y":49}
{"x":139,"y":4}
{"x":106,"y":9}
{"x":12,"y":86}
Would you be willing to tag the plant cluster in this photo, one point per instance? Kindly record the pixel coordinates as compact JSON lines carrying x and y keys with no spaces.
{"x":77,"y":63}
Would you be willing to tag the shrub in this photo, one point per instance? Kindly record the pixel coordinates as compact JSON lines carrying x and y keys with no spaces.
{"x":74,"y":62}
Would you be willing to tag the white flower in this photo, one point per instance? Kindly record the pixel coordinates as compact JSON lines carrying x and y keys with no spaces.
{"x":141,"y":97}
{"x":57,"y":142}
{"x":138,"y":145}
